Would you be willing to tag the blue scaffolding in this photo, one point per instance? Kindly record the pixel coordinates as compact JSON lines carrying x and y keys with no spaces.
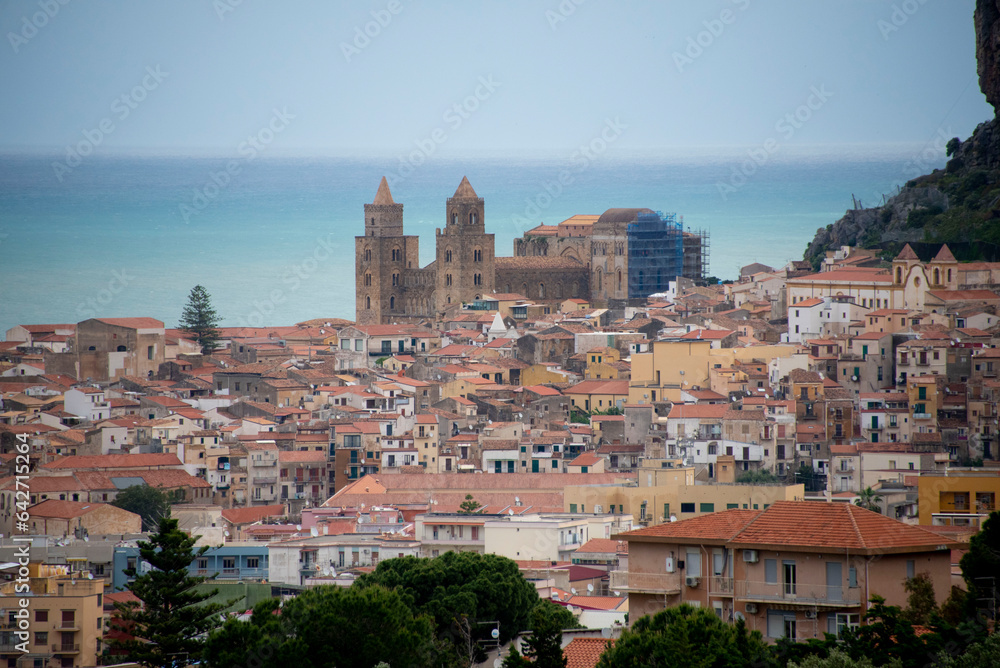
{"x":655,"y":253}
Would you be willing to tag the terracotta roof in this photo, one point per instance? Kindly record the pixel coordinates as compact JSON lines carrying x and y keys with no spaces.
{"x":113,"y":461}
{"x":688,"y":411}
{"x":944,"y":255}
{"x":252,"y":514}
{"x":65,"y":509}
{"x":133,"y":323}
{"x":585,"y":459}
{"x":907,"y":254}
{"x":597,"y":602}
{"x":464,"y":190}
{"x":616,"y":387}
{"x":383,"y":196}
{"x":603,"y":546}
{"x":811,"y":525}
{"x":302,"y":456}
{"x":812,"y":301}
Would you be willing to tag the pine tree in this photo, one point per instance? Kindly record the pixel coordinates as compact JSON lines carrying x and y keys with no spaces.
{"x":543,"y":648}
{"x":168,"y":627}
{"x":200,"y":319}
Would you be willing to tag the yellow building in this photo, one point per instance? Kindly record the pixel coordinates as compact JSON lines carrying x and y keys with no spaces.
{"x":539,"y":374}
{"x":65,"y":619}
{"x":671,"y":366}
{"x":657,"y":504}
{"x":598,"y":395}
{"x":957,"y":497}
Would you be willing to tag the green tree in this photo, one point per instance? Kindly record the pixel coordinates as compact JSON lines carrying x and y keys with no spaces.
{"x":869,"y":499}
{"x":686,"y":636}
{"x":544,"y":646}
{"x":885,"y":637}
{"x":986,"y":652}
{"x":328,"y":626}
{"x":920,"y":603}
{"x":147,"y":502}
{"x":760,"y":477}
{"x":483,"y":587}
{"x":838,"y":659}
{"x":981,"y":564}
{"x":200,"y":319}
{"x":469,"y":506}
{"x":167,"y":628}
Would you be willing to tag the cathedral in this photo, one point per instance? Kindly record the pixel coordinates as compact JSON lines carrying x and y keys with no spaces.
{"x":621,"y":255}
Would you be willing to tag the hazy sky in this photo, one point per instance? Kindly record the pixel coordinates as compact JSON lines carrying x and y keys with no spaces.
{"x":465,"y":76}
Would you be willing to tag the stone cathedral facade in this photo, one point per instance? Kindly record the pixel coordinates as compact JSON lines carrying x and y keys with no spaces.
{"x":621,"y":255}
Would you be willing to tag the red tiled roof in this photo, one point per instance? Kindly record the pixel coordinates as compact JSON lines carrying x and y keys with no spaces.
{"x":64,"y":509}
{"x":615,"y":387}
{"x":252,"y":514}
{"x":720,"y":526}
{"x":133,"y":323}
{"x":686,"y":411}
{"x":113,"y":461}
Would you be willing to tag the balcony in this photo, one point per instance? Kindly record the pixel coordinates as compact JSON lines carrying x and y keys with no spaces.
{"x":720,"y":585}
{"x":66,"y":648}
{"x":646,"y":583}
{"x":265,"y":480}
{"x":264,"y":462}
{"x":921,"y":416}
{"x":801,"y":593}
{"x":67,"y":625}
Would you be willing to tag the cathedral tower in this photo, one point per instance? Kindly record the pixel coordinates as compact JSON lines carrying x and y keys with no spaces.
{"x":382,"y":257}
{"x":465,"y":253}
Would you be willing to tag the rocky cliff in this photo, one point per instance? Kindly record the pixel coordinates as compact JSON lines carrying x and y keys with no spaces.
{"x":959,"y":205}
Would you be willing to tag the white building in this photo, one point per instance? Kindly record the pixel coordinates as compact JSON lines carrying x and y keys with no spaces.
{"x":87,"y":402}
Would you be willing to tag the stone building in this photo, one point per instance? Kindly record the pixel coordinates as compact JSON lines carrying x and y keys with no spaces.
{"x":620,"y":255}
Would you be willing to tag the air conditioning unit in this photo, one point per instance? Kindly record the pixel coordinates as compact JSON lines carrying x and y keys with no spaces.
{"x":691,"y":582}
{"x":810,"y":614}
{"x":750,"y":556}
{"x":751,"y":608}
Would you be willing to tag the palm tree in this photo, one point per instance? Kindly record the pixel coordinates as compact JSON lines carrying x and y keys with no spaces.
{"x":870,"y":500}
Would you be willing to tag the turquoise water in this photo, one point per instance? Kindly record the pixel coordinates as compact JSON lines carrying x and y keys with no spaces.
{"x":127,"y":236}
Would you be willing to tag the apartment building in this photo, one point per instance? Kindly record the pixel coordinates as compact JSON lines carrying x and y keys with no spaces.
{"x":797,"y":569}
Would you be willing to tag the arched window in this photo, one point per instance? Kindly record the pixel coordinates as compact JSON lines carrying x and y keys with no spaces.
{"x":392,"y":302}
{"x":121,"y":349}
{"x":449,"y":299}
{"x":600,"y":280}
{"x":454,"y":219}
{"x":368,"y":303}
{"x":937,"y":276}
{"x":373,"y":221}
{"x":541,"y":291}
{"x":397,"y":255}
{"x":368,"y":279}
{"x":395,"y":279}
{"x":447,"y":279}
{"x":619,"y":280}
{"x":524,"y":289}
{"x":949,"y":275}
{"x":899,"y":274}
{"x":368,"y":255}
{"x":472,"y":219}
{"x":477,"y":255}
{"x":447,"y":255}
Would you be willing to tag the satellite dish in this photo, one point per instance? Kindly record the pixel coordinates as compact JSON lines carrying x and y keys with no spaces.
{"x":313,"y":531}
{"x":605,"y":632}
{"x":495,"y":633}
{"x":673,"y":518}
{"x":298,"y":527}
{"x":90,"y":576}
{"x":618,"y":593}
{"x":573,"y":589}
{"x":590,"y":589}
{"x":225,"y":532}
{"x":740,"y":615}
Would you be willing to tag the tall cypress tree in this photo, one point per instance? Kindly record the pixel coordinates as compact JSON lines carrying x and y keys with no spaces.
{"x":200,"y":319}
{"x":168,"y":628}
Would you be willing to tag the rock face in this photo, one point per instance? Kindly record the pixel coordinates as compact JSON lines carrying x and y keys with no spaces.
{"x":968,"y":190}
{"x":987,"y":22}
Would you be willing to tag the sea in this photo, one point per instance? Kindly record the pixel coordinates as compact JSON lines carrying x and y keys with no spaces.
{"x":271,"y":237}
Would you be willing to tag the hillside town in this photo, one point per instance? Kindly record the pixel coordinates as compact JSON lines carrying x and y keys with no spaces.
{"x":777,"y":449}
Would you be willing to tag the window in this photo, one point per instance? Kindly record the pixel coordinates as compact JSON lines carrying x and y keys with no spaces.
{"x":42,"y":638}
{"x":788,"y":577}
{"x":253,"y":562}
{"x":687,"y":507}
{"x":228,"y":563}
{"x":852,"y":577}
{"x":149,"y":352}
{"x":693,"y":563}
{"x":910,"y":568}
{"x":771,"y":571}
{"x":41,"y":615}
{"x":706,"y":508}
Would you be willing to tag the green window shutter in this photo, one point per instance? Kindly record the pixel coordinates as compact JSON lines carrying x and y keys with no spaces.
{"x":707,"y":507}
{"x":572,"y":507}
